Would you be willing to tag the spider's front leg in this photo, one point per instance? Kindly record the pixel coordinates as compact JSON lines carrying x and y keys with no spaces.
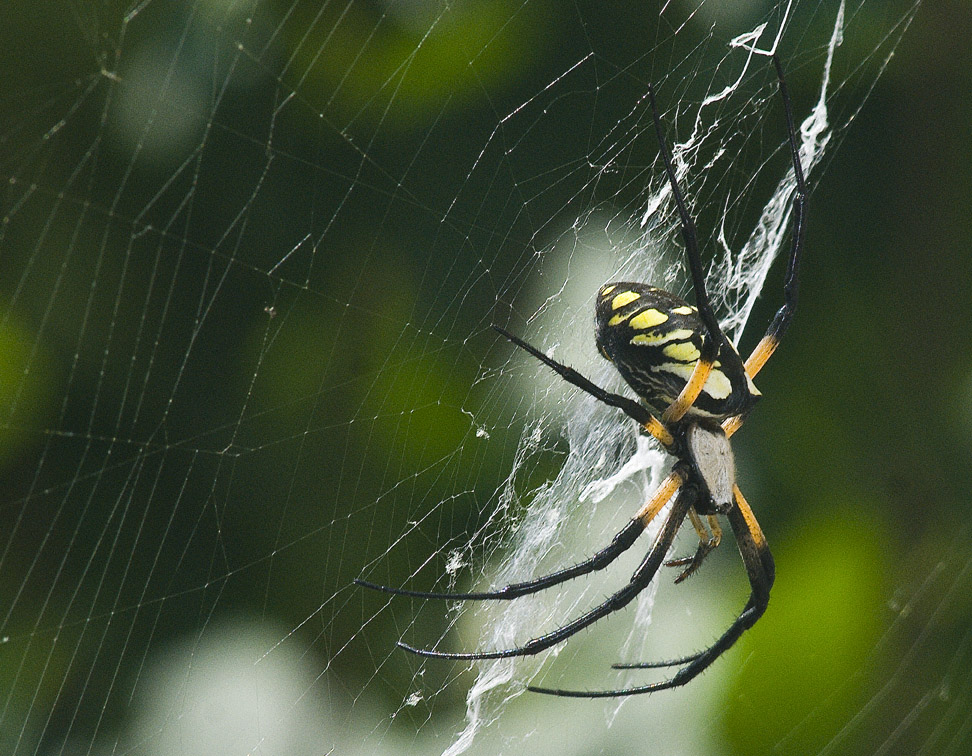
{"x":648,"y":422}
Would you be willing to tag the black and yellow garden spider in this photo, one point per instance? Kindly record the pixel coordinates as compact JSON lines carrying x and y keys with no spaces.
{"x":682,"y":366}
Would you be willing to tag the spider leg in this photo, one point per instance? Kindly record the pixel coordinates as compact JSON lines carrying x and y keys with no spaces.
{"x":630,"y":407}
{"x":621,"y":543}
{"x":791,"y":286}
{"x":709,"y":539}
{"x":781,"y":321}
{"x":642,"y":576}
{"x":682,"y":660}
{"x":714,"y":337}
{"x":760,"y":568}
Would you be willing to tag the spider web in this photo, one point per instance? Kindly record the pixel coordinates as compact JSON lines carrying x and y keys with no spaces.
{"x":251,"y":253}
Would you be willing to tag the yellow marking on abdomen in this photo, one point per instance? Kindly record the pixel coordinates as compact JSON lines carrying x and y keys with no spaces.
{"x":607,"y":290}
{"x":625,"y":297}
{"x":684,"y":351}
{"x":716,"y":385}
{"x":679,"y":334}
{"x":684,"y":310}
{"x":648,"y":319}
{"x":619,"y":318}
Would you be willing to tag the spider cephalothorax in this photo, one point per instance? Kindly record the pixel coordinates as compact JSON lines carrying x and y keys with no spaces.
{"x":683,"y":367}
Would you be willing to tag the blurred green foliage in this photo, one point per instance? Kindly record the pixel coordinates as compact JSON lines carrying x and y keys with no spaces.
{"x":829,"y":607}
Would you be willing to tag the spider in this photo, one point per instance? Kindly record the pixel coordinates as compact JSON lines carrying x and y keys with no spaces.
{"x":684,"y":368}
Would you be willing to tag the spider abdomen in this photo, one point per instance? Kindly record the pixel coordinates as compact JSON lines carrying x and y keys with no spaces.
{"x":654,"y":340}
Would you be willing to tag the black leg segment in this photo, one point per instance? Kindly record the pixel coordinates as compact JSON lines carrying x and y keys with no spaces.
{"x":621,"y":543}
{"x":630,"y":407}
{"x":686,"y":497}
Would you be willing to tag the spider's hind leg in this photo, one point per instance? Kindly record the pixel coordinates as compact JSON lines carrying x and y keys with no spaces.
{"x":714,"y":341}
